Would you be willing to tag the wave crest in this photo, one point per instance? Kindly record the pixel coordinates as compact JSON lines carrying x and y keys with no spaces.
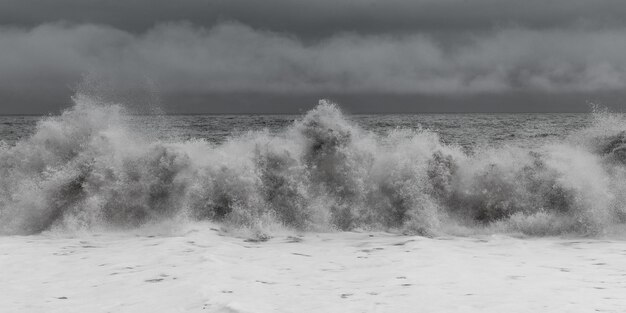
{"x":87,"y":169}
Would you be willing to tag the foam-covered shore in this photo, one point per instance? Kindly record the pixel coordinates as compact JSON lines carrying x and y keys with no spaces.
{"x":87,"y":169}
{"x":197,"y":270}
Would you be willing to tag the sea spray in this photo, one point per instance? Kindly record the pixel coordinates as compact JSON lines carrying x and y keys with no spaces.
{"x":89,"y":168}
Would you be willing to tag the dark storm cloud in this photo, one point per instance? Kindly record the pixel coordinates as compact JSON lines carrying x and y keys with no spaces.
{"x":233,"y":57}
{"x":240,"y":51}
{"x":307,"y":18}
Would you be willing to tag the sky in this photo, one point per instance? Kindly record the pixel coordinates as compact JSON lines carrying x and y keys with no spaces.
{"x":279,"y":56}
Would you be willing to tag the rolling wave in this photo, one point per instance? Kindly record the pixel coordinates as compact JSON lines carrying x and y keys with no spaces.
{"x":88,"y":169}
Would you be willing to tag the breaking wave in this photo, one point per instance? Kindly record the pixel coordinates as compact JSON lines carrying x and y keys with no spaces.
{"x":87,"y":169}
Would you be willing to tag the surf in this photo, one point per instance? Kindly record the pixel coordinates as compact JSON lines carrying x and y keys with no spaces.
{"x":90,"y":169}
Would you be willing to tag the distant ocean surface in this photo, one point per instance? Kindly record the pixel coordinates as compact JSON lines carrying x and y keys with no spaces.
{"x":98,"y":167}
{"x":465,"y":129}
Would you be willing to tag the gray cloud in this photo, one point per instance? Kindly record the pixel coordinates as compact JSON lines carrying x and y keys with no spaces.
{"x":321,"y":18}
{"x":242,"y":51}
{"x":178,"y":58}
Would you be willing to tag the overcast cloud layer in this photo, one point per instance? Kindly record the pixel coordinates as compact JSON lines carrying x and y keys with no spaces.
{"x":432,"y":48}
{"x":306,"y":18}
{"x":234,"y":57}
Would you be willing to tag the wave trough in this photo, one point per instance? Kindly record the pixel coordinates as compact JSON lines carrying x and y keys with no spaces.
{"x":88,"y":169}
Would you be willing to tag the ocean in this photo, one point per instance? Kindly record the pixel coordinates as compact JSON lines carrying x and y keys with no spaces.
{"x":468,"y":130}
{"x":98,"y":165}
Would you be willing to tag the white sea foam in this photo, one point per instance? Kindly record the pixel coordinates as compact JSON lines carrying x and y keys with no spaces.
{"x":88,"y":168}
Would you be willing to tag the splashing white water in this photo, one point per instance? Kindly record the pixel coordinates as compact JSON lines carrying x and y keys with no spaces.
{"x":88,"y":169}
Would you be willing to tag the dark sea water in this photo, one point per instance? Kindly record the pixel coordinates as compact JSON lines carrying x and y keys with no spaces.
{"x":95,"y":166}
{"x":467,"y":130}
